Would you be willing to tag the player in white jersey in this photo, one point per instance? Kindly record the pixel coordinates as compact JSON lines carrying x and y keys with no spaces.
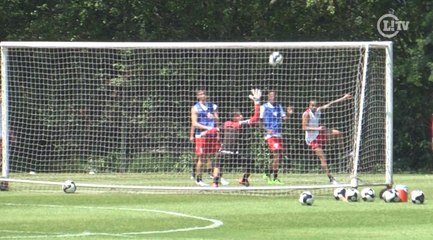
{"x":316,"y":135}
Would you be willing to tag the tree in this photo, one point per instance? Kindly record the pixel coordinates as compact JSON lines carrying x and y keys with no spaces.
{"x":246,"y":20}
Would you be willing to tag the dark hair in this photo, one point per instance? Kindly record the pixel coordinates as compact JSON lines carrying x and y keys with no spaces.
{"x":236,"y":112}
{"x":199,"y":90}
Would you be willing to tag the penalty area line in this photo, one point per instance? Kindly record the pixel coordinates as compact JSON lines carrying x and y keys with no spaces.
{"x":214,"y":223}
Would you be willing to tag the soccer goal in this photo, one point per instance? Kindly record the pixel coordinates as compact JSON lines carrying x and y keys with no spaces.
{"x":118,"y":115}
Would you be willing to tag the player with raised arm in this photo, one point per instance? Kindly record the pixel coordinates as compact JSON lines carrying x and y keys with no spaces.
{"x":231,"y":140}
{"x":317,"y":135}
{"x":272,"y":115}
{"x":204,"y":120}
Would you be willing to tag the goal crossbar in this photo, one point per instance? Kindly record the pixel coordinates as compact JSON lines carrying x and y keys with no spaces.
{"x":194,"y":45}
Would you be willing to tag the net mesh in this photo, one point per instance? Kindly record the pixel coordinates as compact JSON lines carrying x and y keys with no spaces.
{"x":125,"y":113}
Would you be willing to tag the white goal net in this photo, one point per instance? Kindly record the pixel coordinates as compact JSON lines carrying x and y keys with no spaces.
{"x":118,"y":115}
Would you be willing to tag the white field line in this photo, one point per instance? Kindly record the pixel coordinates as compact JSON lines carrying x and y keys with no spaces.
{"x":214,"y":223}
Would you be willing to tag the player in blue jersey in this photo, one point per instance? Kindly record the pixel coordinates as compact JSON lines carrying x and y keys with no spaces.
{"x":272,"y":115}
{"x":204,"y":120}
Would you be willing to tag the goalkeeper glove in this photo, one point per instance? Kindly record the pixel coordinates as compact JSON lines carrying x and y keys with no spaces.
{"x":255,"y":96}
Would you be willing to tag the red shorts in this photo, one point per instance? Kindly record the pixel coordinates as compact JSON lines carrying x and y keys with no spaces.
{"x":275,"y":144}
{"x":206,"y":145}
{"x":319,"y":141}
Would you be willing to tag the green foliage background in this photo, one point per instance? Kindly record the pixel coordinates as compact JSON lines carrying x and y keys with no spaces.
{"x":245,"y":20}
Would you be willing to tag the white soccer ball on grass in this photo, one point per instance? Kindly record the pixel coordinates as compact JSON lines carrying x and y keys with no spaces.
{"x":368,"y":194}
{"x":275,"y":58}
{"x":352,"y":194}
{"x":69,"y":186}
{"x":306,"y":198}
{"x":391,"y":195}
{"x":340,"y":193}
{"x":417,"y":196}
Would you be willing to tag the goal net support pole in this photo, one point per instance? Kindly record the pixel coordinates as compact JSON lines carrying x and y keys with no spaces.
{"x":389,"y":114}
{"x":4,"y":113}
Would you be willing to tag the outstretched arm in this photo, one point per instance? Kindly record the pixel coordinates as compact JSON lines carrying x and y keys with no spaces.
{"x":255,"y":96}
{"x":345,"y":97}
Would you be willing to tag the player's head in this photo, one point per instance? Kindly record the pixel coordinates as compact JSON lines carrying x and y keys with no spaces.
{"x":272,"y":96}
{"x":313,"y":105}
{"x":237,"y":116}
{"x":201,"y":95}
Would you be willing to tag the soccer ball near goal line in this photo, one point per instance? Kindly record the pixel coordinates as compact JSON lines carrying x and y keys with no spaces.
{"x":417,"y":196}
{"x":352,"y":194}
{"x":306,"y":198}
{"x":340,"y":193}
{"x":275,"y":59}
{"x":368,"y":194}
{"x":391,"y":195}
{"x":69,"y":186}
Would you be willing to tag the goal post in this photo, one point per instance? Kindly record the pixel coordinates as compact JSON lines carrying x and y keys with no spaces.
{"x":117,"y":115}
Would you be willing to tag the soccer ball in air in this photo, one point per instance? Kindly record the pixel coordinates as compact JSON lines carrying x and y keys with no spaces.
{"x":417,"y":196}
{"x":340,"y":193}
{"x":368,"y":194}
{"x":69,"y":186}
{"x":391,"y":195}
{"x":275,"y":59}
{"x":352,"y":194}
{"x":306,"y":198}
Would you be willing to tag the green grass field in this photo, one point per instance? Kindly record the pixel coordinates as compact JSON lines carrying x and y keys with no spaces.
{"x":121,"y":215}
